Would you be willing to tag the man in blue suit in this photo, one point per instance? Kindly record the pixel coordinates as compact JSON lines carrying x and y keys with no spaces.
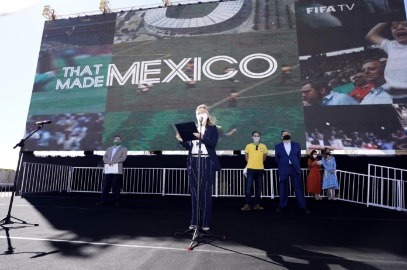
{"x":288,"y":155}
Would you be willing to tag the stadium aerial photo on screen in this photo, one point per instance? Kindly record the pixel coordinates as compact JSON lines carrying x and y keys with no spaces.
{"x":334,"y":74}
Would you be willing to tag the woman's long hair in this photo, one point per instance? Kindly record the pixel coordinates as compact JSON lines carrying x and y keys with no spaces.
{"x":312,"y":153}
{"x":326,"y":151}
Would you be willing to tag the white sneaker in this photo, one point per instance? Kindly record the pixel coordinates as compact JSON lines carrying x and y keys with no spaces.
{"x":191,"y":227}
{"x":206,"y":228}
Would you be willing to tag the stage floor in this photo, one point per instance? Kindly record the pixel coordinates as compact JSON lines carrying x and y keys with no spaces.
{"x":74,"y":233}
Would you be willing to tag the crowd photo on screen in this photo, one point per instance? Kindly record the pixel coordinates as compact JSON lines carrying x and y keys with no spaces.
{"x":67,"y":132}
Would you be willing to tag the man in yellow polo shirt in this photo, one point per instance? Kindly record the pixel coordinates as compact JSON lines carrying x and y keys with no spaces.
{"x":256,"y":154}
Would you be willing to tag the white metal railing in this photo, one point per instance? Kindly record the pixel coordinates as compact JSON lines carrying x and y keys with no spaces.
{"x":44,"y":178}
{"x":352,"y":186}
{"x":6,"y":182}
{"x":383,"y":187}
{"x":172,"y":181}
{"x":387,"y":187}
{"x":6,"y":189}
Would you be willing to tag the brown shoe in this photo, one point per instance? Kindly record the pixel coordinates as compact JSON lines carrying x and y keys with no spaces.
{"x":258,"y":207}
{"x":306,"y":210}
{"x":246,"y":207}
{"x":101,"y":203}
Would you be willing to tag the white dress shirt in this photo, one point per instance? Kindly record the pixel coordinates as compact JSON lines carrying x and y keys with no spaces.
{"x":287,"y":147}
{"x":114,"y":151}
{"x":195,"y":144}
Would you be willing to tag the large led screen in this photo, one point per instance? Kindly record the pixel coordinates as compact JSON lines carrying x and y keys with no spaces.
{"x":308,"y":66}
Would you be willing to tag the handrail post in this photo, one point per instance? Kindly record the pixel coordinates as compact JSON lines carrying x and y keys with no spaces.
{"x":399,"y":195}
{"x":368,"y":186}
{"x":164,"y":174}
{"x":216,"y":183}
{"x":22,"y":180}
{"x":69,"y":180}
{"x":271,"y":183}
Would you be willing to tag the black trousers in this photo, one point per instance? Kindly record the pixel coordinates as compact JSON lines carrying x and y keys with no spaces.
{"x":111,"y":181}
{"x":203,"y":215}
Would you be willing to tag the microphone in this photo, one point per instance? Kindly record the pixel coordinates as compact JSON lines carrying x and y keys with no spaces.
{"x":43,"y":122}
{"x":201,"y":119}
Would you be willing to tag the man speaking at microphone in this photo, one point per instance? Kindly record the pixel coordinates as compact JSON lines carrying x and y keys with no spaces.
{"x":113,"y":172}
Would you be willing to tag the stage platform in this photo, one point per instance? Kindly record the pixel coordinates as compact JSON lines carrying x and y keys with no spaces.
{"x":74,"y":233}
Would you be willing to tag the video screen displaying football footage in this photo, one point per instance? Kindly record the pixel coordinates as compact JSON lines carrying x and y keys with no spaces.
{"x":335,"y":75}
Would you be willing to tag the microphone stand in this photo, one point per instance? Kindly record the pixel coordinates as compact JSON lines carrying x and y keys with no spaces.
{"x":10,"y":248}
{"x":7,"y":219}
{"x":197,"y":232}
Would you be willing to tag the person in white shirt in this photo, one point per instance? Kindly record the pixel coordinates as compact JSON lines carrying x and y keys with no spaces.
{"x":373,"y":74}
{"x":396,"y":66}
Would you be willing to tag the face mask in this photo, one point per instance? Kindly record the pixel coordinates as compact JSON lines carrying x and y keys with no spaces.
{"x":256,"y":139}
{"x":286,"y":137}
{"x":203,"y":116}
{"x":314,"y":156}
{"x":117,"y":143}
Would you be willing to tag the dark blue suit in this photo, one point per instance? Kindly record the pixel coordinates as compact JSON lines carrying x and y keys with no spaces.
{"x":289,"y":168}
{"x":209,"y":164}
